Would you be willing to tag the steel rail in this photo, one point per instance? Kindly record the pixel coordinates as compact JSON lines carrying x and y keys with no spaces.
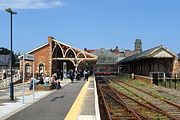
{"x":167,"y":101}
{"x":148,"y":107}
{"x":162,"y":111}
{"x":107,"y":109}
{"x":121,"y":101}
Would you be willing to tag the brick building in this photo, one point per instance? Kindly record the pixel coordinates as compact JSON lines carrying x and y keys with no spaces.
{"x":55,"y":56}
{"x":128,"y":52}
{"x":108,"y":58}
{"x":106,"y":62}
{"x":178,"y":62}
{"x":157,"y":59}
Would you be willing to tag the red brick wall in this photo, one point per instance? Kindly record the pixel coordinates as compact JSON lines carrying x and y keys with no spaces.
{"x":179,"y":66}
{"x":42,"y":56}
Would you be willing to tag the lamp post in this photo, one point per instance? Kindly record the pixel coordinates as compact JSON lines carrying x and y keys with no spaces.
{"x":11,"y":82}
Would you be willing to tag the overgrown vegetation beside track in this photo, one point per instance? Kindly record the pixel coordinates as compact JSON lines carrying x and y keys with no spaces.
{"x":164,"y":101}
{"x":159,"y":91}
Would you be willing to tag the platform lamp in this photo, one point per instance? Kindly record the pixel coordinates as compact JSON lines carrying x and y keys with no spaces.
{"x":11,"y":82}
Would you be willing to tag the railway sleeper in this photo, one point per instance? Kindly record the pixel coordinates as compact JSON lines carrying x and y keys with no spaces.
{"x":122,"y":114}
{"x":177,"y":114}
{"x":118,"y":113}
{"x":121,"y":118}
{"x":124,"y":117}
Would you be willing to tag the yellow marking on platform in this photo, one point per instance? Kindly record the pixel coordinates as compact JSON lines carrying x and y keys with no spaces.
{"x":76,"y":107}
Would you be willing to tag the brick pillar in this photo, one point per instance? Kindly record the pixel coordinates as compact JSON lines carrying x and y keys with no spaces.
{"x":50,"y":39}
{"x":175,"y":65}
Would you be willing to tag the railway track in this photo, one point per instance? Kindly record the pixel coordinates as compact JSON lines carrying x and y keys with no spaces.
{"x":119,"y":106}
{"x":168,"y":94}
{"x":167,"y":107}
{"x":115,"y":108}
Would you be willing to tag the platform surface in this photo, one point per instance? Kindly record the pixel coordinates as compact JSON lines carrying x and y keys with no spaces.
{"x":55,"y":106}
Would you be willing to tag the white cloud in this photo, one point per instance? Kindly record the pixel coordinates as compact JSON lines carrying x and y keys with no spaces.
{"x":30,"y":4}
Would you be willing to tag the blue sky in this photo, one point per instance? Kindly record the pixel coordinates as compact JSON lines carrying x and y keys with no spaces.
{"x":91,"y":23}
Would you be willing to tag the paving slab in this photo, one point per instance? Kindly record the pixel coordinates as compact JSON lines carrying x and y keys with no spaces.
{"x":90,"y":108}
{"x":52,"y":107}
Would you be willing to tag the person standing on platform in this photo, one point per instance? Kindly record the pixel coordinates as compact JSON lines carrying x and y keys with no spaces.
{"x":71,"y":73}
{"x":4,"y":74}
{"x":86,"y":75}
{"x":61,"y":74}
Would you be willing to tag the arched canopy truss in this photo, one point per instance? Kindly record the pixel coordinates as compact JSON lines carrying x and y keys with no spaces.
{"x":58,"y":51}
{"x":78,"y":58}
{"x":70,"y":53}
{"x":54,"y":55}
{"x":81,"y":55}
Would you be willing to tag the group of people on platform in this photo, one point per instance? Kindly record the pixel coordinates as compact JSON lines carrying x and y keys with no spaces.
{"x":54,"y":81}
{"x":46,"y":80}
{"x":79,"y":74}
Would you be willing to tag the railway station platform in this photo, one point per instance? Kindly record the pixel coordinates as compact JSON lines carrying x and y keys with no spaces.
{"x":86,"y":105}
{"x":74,"y":101}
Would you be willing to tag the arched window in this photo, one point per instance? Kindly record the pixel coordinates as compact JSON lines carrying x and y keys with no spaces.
{"x":41,"y":68}
{"x":27,"y":68}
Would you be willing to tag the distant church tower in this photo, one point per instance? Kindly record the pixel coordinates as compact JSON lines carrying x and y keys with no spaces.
{"x":138,"y":46}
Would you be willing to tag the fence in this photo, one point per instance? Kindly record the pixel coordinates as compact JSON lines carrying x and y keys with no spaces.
{"x":168,"y":80}
{"x":5,"y":82}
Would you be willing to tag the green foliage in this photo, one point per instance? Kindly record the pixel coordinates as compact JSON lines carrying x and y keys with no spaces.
{"x":5,"y":51}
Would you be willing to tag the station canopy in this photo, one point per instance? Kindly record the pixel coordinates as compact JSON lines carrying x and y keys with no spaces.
{"x":156,"y":52}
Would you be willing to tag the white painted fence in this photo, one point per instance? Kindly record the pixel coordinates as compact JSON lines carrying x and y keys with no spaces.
{"x":5,"y":82}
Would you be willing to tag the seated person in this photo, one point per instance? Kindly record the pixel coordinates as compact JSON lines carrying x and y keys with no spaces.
{"x":31,"y":83}
{"x":41,"y":81}
{"x":55,"y":83}
{"x":46,"y":80}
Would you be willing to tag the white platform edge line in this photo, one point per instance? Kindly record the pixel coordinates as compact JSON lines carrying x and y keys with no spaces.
{"x":86,"y":117}
{"x":97,"y":113}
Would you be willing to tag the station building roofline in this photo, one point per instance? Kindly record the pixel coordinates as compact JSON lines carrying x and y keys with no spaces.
{"x":55,"y":40}
{"x":146,"y":54}
{"x":178,"y":55}
{"x":74,"y":48}
{"x":29,"y":52}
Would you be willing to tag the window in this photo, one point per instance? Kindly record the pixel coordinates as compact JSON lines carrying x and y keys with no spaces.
{"x":41,"y":68}
{"x":27,"y":68}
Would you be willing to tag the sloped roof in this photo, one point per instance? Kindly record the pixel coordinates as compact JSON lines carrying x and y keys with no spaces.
{"x":90,"y":51}
{"x":4,"y":60}
{"x":178,"y":55}
{"x":146,"y":54}
{"x":105,"y":56}
{"x":104,"y":52}
{"x":31,"y":51}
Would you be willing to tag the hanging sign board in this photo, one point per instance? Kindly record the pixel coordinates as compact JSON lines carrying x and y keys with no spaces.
{"x":29,"y":57}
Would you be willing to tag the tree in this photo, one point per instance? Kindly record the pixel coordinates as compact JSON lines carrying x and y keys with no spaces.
{"x":5,"y":51}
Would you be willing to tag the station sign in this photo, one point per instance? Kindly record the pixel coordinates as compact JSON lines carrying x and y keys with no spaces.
{"x":29,"y":57}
